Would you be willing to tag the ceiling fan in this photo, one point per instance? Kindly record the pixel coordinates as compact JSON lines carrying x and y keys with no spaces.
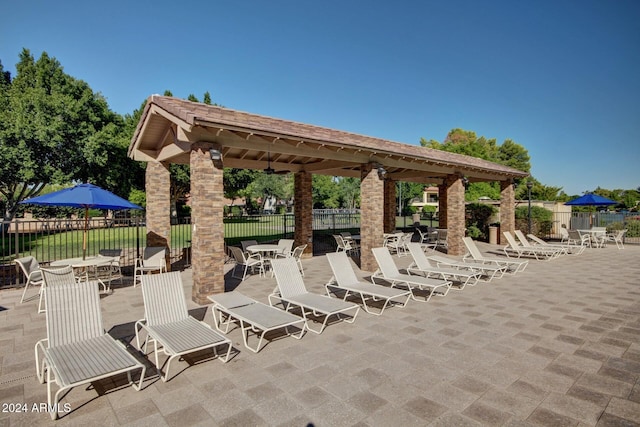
{"x":269,"y":170}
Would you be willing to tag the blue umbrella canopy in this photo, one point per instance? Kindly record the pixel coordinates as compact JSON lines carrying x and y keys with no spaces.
{"x":591,"y":199}
{"x":83,"y":196}
{"x":87,"y":196}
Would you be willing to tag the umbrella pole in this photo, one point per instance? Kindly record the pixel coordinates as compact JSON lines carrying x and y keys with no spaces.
{"x":84,"y":235}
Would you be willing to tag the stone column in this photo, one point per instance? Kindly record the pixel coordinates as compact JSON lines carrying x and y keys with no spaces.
{"x":207,"y":227}
{"x":303,"y":212}
{"x":389,"y":205}
{"x":442,"y":205}
{"x":372,"y":215}
{"x":455,"y":215}
{"x":507,"y":207}
{"x":158,"y":219}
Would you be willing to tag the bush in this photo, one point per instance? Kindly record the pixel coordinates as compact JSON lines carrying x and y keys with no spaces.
{"x":427,"y":209}
{"x":633,"y":228}
{"x":477,"y":219}
{"x":541,"y":220}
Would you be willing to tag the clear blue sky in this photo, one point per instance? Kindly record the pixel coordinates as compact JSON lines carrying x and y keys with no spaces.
{"x":560,"y":77}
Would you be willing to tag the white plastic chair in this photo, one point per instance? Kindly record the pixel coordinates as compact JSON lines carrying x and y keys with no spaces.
{"x":248,"y":262}
{"x":30,"y":267}
{"x":153,"y":259}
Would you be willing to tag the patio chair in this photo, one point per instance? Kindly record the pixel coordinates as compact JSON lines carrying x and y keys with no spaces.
{"x":513,"y":248}
{"x":30,"y":267}
{"x":551,"y":248}
{"x":168,"y":324}
{"x":396,"y":243}
{"x":248,"y":262}
{"x":110,"y":269}
{"x":599,"y":236}
{"x":297,"y":255}
{"x":617,"y":237}
{"x":389,"y":272}
{"x":566,"y":248}
{"x":347,"y":245}
{"x":344,"y":279}
{"x":246,"y":243}
{"x":575,"y":238}
{"x":427,"y":239}
{"x":441,"y":239}
{"x":489,"y":271}
{"x":285,"y":248}
{"x":153,"y":259}
{"x":422,"y":266}
{"x":291,"y":292}
{"x":253,"y":317}
{"x":475,"y":256}
{"x":77,"y":351}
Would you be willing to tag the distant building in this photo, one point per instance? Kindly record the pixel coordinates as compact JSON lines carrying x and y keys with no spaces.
{"x":429,"y":198}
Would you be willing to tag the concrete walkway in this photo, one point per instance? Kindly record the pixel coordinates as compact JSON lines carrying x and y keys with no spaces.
{"x":558,"y":344}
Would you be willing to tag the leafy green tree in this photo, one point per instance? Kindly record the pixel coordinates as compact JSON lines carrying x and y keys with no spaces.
{"x":325,"y":192}
{"x":50,"y":124}
{"x":513,"y":155}
{"x":269,"y":185}
{"x":236,"y":181}
{"x":349,"y":192}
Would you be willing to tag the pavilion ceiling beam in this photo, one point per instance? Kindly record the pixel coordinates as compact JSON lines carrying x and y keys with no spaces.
{"x":328,"y":164}
{"x":260,"y":164}
{"x":231,"y":140}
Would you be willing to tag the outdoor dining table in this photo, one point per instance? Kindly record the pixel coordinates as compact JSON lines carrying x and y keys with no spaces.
{"x":596,"y":237}
{"x":87,"y":263}
{"x":267,"y":250}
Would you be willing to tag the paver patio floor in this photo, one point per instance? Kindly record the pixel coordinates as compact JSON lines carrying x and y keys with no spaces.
{"x":558,"y":344}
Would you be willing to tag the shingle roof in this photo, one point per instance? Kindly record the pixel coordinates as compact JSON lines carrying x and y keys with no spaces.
{"x":195,"y":113}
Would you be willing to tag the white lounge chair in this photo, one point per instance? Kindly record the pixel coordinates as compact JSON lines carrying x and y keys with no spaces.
{"x":253,"y":317}
{"x":389,"y":272}
{"x":345,"y":280}
{"x":475,"y":256}
{"x":524,"y":241}
{"x":489,"y":271}
{"x":30,"y":267}
{"x":518,"y":250}
{"x":291,"y":292}
{"x":77,"y":351}
{"x":566,"y":247}
{"x":153,"y":259}
{"x":168,"y":324}
{"x":61,"y":276}
{"x":422,"y":266}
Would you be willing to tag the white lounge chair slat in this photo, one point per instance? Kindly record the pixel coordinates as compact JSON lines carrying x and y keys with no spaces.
{"x":168,"y":324}
{"x":253,"y":317}
{"x":475,"y":256}
{"x":421,"y":265}
{"x":292,"y":291}
{"x":390,"y":273}
{"x":77,"y":351}
{"x":345,"y":279}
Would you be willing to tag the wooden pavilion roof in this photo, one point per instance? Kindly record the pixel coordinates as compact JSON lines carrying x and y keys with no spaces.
{"x":169,"y":126}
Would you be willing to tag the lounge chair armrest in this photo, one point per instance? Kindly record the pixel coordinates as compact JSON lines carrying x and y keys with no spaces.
{"x":40,"y":348}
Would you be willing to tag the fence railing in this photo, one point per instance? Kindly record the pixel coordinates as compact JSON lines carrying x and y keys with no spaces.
{"x":53,"y":239}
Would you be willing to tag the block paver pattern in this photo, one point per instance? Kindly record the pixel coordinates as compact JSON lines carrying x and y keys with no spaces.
{"x":555,"y":345}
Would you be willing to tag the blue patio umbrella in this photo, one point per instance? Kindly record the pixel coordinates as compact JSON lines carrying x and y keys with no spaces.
{"x":85,"y":196}
{"x":591,"y":199}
